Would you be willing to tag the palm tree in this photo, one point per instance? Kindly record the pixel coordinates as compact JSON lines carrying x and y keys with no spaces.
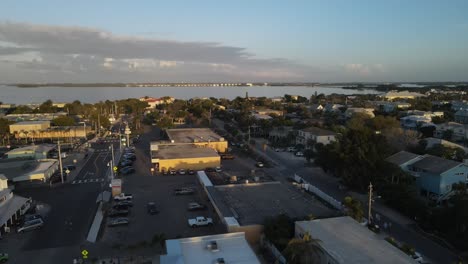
{"x":303,"y":250}
{"x":354,"y":208}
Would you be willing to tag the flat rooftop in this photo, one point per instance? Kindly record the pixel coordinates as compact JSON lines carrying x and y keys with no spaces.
{"x":252,"y":203}
{"x":183,"y":151}
{"x":232,"y":247}
{"x":15,"y":169}
{"x":192,"y":135}
{"x":349,"y":242}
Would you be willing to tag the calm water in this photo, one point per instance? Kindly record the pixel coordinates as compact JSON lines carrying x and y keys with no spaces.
{"x":14,"y":95}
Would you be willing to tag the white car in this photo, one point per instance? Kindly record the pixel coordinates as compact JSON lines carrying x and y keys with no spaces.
{"x":418,"y":257}
{"x":123,"y":197}
{"x":218,"y":169}
{"x":182,"y":172}
{"x":200,"y":221}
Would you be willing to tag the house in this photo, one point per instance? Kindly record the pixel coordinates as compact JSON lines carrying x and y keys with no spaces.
{"x":354,"y":110}
{"x":459,"y":131}
{"x":267,"y":112}
{"x":461,"y":116}
{"x":415,"y":121}
{"x":392,"y":95}
{"x":221,"y":248}
{"x":425,"y":113}
{"x":343,"y":240}
{"x":316,"y":108}
{"x":434,"y":175}
{"x":318,"y":135}
{"x":261,"y":117}
{"x":333,"y":107}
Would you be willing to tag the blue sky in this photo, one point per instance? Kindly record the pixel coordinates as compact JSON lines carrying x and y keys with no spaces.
{"x":291,"y":40}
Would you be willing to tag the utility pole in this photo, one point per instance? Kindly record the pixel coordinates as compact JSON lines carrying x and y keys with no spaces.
{"x":112,"y":161}
{"x":248,"y":143}
{"x":370,"y":203}
{"x":60,"y":160}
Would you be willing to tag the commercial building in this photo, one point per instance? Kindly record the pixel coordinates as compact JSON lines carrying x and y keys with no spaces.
{"x":343,"y":240}
{"x":165,"y":156}
{"x":11,"y":206}
{"x":30,"y":152}
{"x":392,"y":95}
{"x":21,"y":170}
{"x":28,"y":126}
{"x":203,"y":137}
{"x":318,"y":135}
{"x":244,"y":207}
{"x":214,"y":249}
{"x":34,"y":117}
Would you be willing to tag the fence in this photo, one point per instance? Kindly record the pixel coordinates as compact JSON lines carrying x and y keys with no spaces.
{"x":316,"y":191}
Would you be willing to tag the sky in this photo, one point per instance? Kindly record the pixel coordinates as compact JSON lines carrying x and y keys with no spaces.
{"x":233,"y":41}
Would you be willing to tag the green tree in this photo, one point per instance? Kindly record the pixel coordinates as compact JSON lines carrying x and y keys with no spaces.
{"x":279,"y":230}
{"x":63,"y":121}
{"x":47,"y":107}
{"x":354,"y":208}
{"x":303,"y":250}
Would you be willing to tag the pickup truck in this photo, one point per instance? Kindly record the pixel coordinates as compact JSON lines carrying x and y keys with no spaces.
{"x":123,"y":197}
{"x":200,"y":221}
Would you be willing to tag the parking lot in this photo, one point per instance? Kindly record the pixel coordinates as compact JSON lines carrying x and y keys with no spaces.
{"x":173,"y":214}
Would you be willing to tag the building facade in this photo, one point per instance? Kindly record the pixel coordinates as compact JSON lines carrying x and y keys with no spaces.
{"x":315,"y":134}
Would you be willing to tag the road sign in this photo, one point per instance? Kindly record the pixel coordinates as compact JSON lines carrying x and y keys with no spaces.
{"x":84,"y":253}
{"x":115,"y":168}
{"x":67,"y":171}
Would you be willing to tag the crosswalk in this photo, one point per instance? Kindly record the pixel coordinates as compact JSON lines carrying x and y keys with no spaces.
{"x":87,"y":181}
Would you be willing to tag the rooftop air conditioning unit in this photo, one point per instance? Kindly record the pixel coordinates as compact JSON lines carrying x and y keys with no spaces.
{"x":212,"y":246}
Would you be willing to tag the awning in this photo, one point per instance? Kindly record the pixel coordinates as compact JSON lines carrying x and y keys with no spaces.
{"x":9,"y":208}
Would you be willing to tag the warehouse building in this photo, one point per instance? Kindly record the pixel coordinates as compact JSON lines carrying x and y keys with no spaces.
{"x":29,"y":126}
{"x":203,"y":137}
{"x":183,"y":156}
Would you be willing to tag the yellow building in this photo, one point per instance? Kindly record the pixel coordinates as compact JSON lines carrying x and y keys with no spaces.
{"x":53,"y":132}
{"x":28,"y":126}
{"x":183,"y":156}
{"x":203,"y":137}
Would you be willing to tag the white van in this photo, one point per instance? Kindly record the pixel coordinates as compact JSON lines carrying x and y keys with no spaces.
{"x":31,"y":225}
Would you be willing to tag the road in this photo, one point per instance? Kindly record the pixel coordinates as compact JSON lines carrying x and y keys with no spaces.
{"x":74,"y":201}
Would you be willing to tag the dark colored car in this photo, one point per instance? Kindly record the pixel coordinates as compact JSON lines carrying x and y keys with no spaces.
{"x":210,"y":170}
{"x":120,"y":212}
{"x":125,"y":203}
{"x":125,"y":163}
{"x":127,"y":170}
{"x":183,"y":191}
{"x":120,"y":207}
{"x":56,"y":178}
{"x":129,"y":156}
{"x":152,"y":209}
{"x":118,"y":221}
{"x":69,"y":167}
{"x":195,"y":207}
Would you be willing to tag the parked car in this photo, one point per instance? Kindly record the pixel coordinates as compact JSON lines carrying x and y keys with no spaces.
{"x":182,"y":172}
{"x":128,"y":203}
{"x":127,"y":170}
{"x":195,"y":207}
{"x":129,"y":156}
{"x":118,"y":212}
{"x":151,"y":208}
{"x":172,"y":171}
{"x":120,"y":207}
{"x":125,"y":163}
{"x":200,"y":221}
{"x":183,"y":191}
{"x":3,"y":257}
{"x":292,"y":149}
{"x":299,"y":154}
{"x":259,"y":164}
{"x":279,"y":149}
{"x":164,"y":171}
{"x":118,"y":221}
{"x":227,"y":156}
{"x":123,"y":196}
{"x":218,"y":169}
{"x":191,"y":172}
{"x":56,"y":177}
{"x":31,"y":225}
{"x":210,"y":170}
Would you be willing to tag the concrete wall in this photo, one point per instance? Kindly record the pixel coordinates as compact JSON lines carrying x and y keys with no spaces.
{"x":191,"y":163}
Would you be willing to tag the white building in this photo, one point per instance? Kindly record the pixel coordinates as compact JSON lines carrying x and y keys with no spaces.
{"x":11,"y":206}
{"x":401,"y":95}
{"x":315,"y":134}
{"x":388,"y":107}
{"x":343,"y":240}
{"x":215,"y":249}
